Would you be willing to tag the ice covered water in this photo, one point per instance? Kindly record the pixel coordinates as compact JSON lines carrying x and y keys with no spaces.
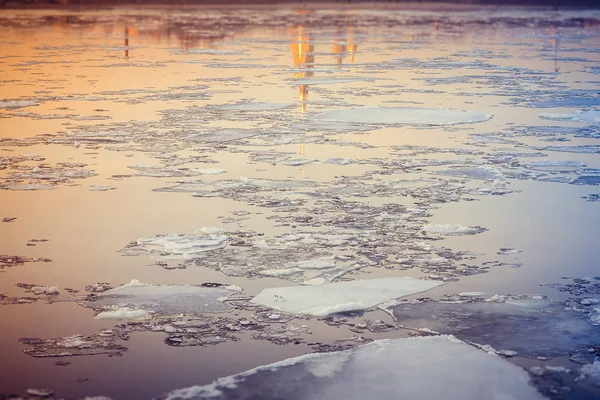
{"x":331,"y":147}
{"x":531,"y":328}
{"x":384,"y":369}
{"x":333,"y":298}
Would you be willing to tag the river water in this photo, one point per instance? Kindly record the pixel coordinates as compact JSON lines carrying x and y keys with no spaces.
{"x":321,"y":144}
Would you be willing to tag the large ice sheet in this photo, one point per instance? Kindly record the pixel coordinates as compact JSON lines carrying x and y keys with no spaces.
{"x":404,"y":115}
{"x":321,"y":300}
{"x":530,"y":327}
{"x":163,"y":299}
{"x":577,"y":116}
{"x":425,"y":368}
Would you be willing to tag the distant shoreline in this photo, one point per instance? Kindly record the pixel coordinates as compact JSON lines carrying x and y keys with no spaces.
{"x":437,"y":5}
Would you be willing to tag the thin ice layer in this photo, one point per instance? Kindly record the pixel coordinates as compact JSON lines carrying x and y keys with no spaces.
{"x":404,"y":115}
{"x":164,"y":299}
{"x":321,"y":300}
{"x":425,"y":368}
{"x":531,"y":328}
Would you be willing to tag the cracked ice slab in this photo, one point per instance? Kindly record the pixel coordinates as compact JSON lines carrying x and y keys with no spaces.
{"x":531,"y":327}
{"x":160,"y":299}
{"x":384,"y":369}
{"x":339,"y":297}
{"x":177,"y":246}
{"x":404,"y":115}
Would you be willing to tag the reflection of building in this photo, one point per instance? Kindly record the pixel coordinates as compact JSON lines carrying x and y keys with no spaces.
{"x":304,"y":59}
{"x":344,"y":47}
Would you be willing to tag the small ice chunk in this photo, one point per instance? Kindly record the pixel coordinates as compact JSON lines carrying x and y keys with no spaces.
{"x":338,"y":161}
{"x":17,"y":104}
{"x":322,"y":300}
{"x":591,"y":373}
{"x":448,"y":229}
{"x":507,"y":353}
{"x":49,"y":290}
{"x":31,"y":186}
{"x":472,"y":294}
{"x":40,"y":392}
{"x":209,"y":171}
{"x":508,"y":251}
{"x":577,"y":116}
{"x":404,"y":115}
{"x":281,"y":272}
{"x":100,"y":188}
{"x":384,"y":369}
{"x":297,"y":162}
{"x":484,"y":173}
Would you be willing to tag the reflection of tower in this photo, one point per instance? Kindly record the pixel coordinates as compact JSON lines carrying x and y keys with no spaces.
{"x":304,"y":60}
{"x":555,"y":45}
{"x":126,"y":41}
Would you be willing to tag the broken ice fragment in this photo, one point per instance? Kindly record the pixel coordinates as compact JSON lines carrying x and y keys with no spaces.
{"x":321,"y":300}
{"x":530,"y":327}
{"x":384,"y":369}
{"x":508,"y":251}
{"x":29,"y":186}
{"x":40,"y":392}
{"x":161,"y":299}
{"x":404,"y":115}
{"x":100,"y":188}
{"x":178,"y":246}
{"x":338,"y":161}
{"x":578,"y":116}
{"x":17,"y":104}
{"x":76,"y":345}
{"x":590,"y":373}
{"x":484,"y":173}
{"x":453,"y":229}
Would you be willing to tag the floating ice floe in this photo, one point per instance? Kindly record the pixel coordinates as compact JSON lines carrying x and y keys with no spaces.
{"x":159,"y":299}
{"x":592,"y":180}
{"x":449,"y":229}
{"x":422,"y":368}
{"x":100,"y":188}
{"x":177,"y":246}
{"x":578,"y":116}
{"x":531,"y":327}
{"x":359,"y":295}
{"x":17,"y":104}
{"x":103,"y":342}
{"x":484,"y":173}
{"x":338,"y":161}
{"x":404,"y":115}
{"x":29,"y":186}
{"x":590,"y":373}
{"x":572,"y":149}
